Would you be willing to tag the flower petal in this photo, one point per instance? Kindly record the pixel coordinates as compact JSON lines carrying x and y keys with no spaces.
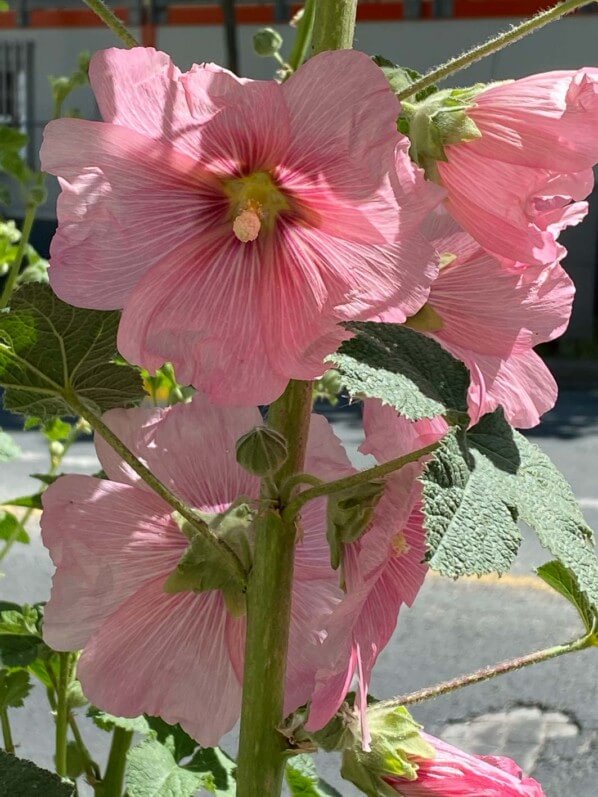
{"x":106,"y":540}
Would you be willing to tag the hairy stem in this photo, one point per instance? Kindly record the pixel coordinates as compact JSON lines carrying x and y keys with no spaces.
{"x":339,"y":486}
{"x":9,"y":745}
{"x":62,"y":712}
{"x":114,"y":780}
{"x":334,"y":25}
{"x":15,"y":266}
{"x":261,"y":747}
{"x":227,"y":556}
{"x":486,"y":673}
{"x":92,"y":771}
{"x":493,"y":45}
{"x":111,"y":21}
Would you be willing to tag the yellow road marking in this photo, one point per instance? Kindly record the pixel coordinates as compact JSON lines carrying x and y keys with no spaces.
{"x":513,"y":580}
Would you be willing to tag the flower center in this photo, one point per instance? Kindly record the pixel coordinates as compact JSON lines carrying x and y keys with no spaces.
{"x":400,"y":545}
{"x":255,"y":202}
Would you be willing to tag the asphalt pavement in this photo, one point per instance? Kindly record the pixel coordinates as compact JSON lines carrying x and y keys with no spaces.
{"x":546,"y":716}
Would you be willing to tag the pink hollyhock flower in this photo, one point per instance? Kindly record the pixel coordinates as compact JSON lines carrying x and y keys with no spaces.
{"x":491,"y":318}
{"x":114,"y":543}
{"x":383,"y":570}
{"x":512,"y":188}
{"x":455,"y":773}
{"x":237,"y":222}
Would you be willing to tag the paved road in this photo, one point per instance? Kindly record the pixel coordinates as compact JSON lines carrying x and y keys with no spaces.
{"x":546,"y":717}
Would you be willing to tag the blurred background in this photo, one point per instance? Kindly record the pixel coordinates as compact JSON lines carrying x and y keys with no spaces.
{"x":547,"y":717}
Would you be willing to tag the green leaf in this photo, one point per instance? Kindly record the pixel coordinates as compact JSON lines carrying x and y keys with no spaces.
{"x":11,"y":528}
{"x":20,"y":620}
{"x":217,"y":768}
{"x":8,"y":448}
{"x":49,"y":349}
{"x":403,"y":368}
{"x":14,"y":688}
{"x":401,"y":77}
{"x":564,"y":582}
{"x":56,"y":429}
{"x":180,"y":744}
{"x":547,"y":504}
{"x":107,"y":722}
{"x":303,"y":779}
{"x":153,"y":772}
{"x":28,"y":501}
{"x":75,"y":761}
{"x":21,"y":778}
{"x":18,"y":651}
{"x":471,"y":521}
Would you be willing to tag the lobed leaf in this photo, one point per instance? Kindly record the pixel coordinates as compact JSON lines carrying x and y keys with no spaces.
{"x":152,"y":771}
{"x":14,"y":688}
{"x":21,"y":777}
{"x":303,"y":779}
{"x":49,"y":349}
{"x":403,"y":368}
{"x":561,"y":579}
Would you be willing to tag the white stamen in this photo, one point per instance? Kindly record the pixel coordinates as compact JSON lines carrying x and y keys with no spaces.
{"x":246,"y":226}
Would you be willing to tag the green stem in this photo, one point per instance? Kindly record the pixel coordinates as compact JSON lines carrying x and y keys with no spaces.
{"x":493,"y":45}
{"x":113,"y":782}
{"x":261,"y":747}
{"x":9,"y":745}
{"x":62,"y":711}
{"x":305,"y":27}
{"x":339,"y":486}
{"x":334,"y":25}
{"x":486,"y":673}
{"x":92,"y":771}
{"x":15,"y":266}
{"x":112,"y":21}
{"x":229,"y":559}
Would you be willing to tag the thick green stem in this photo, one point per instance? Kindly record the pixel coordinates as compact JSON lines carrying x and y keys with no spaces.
{"x":368,"y":475}
{"x":305,"y":27}
{"x":493,"y":45}
{"x":334,"y":25}
{"x":113,"y":782}
{"x":62,"y":711}
{"x":15,"y":266}
{"x":227,"y":555}
{"x":486,"y":673}
{"x":112,"y":21}
{"x":9,"y":745}
{"x":261,"y":747}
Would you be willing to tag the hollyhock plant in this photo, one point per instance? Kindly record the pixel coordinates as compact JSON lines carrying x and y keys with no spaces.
{"x":491,"y":318}
{"x":455,"y":773}
{"x":237,"y":222}
{"x":114,"y":544}
{"x":383,"y":570}
{"x":517,"y":185}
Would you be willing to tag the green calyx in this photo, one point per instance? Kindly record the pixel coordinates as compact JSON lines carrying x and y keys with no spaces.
{"x":201,"y":567}
{"x":396,"y":747}
{"x":262,"y":451}
{"x":349,"y":515}
{"x":436,"y":122}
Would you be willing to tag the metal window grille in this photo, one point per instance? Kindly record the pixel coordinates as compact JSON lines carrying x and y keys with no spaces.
{"x":16,"y":73}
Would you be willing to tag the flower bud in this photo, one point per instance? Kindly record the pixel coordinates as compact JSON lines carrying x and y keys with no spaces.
{"x":395,"y":747}
{"x":56,"y":448}
{"x":267,"y":42}
{"x":349,"y":516}
{"x":37,"y":194}
{"x":262,"y":451}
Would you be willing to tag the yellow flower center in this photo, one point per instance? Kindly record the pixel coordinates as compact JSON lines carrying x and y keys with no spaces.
{"x":255,"y":202}
{"x":400,"y":545}
{"x":425,"y":320}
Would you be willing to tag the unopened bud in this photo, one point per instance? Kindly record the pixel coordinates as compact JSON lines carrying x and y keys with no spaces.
{"x":56,"y":448}
{"x":37,"y":195}
{"x":267,"y":42}
{"x":262,"y":451}
{"x":350,"y":515}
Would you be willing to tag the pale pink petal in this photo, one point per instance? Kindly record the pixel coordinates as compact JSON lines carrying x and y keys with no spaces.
{"x":197,"y":460}
{"x":165,"y":655}
{"x":135,"y":427}
{"x":113,"y":227}
{"x":106,"y":540}
{"x":389,"y":435}
{"x":545,"y":121}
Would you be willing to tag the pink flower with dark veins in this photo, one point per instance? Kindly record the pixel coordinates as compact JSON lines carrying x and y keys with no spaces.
{"x":523,"y":180}
{"x":238,"y":222}
{"x":491,"y":318}
{"x":455,"y":773}
{"x":114,"y":544}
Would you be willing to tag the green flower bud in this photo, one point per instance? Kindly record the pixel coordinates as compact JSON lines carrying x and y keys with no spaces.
{"x":349,"y":515}
{"x":37,"y":194}
{"x":56,"y":448}
{"x":262,"y":451}
{"x":395,"y":747}
{"x":438,"y":121}
{"x":267,"y":42}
